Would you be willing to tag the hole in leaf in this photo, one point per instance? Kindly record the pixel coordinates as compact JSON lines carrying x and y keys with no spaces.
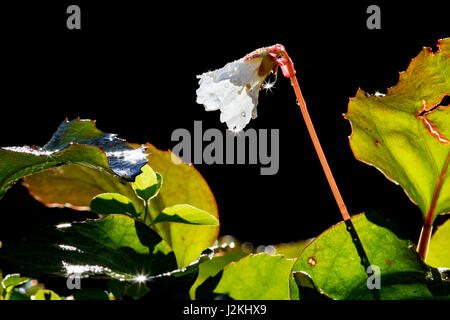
{"x":445,"y":102}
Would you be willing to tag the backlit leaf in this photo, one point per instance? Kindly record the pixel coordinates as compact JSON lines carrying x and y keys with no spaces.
{"x":78,"y":142}
{"x":116,"y":246}
{"x":257,"y":277}
{"x":405,"y":133}
{"x":183,"y":185}
{"x":337,"y":262}
{"x":113,"y":203}
{"x":46,"y":295}
{"x":439,"y":253}
{"x":186,"y":214}
{"x":148,"y":184}
{"x":75,"y":186}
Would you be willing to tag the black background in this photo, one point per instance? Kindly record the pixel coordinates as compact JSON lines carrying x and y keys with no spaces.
{"x":134,"y":67}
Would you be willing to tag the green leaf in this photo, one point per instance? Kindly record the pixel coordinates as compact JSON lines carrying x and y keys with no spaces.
{"x":13,"y":280}
{"x":256,"y":277}
{"x":186,"y":214}
{"x":78,"y":142}
{"x":148,"y":184}
{"x":183,"y":185}
{"x":113,"y":203}
{"x":116,"y":246}
{"x":405,"y":132}
{"x":46,"y":295}
{"x":213,"y":267}
{"x":439,"y":253}
{"x":337,"y":262}
{"x":75,"y":186}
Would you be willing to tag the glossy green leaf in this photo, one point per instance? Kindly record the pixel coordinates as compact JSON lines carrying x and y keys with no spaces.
{"x":116,"y":246}
{"x":183,"y":185}
{"x":113,"y":203}
{"x":338,"y":260}
{"x":186,"y":214}
{"x":46,"y":295}
{"x":148,"y":184}
{"x":257,"y":277}
{"x":405,"y":132}
{"x":439,"y":253}
{"x":78,"y":142}
{"x":75,"y":186}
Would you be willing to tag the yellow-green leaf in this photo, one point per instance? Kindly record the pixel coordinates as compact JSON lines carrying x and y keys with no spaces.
{"x":148,"y":183}
{"x":46,"y":295}
{"x":183,"y":185}
{"x":439,"y":253}
{"x":186,"y":214}
{"x":113,"y":203}
{"x":405,"y":133}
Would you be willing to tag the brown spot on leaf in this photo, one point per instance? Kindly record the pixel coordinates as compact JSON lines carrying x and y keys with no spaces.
{"x":312,"y":261}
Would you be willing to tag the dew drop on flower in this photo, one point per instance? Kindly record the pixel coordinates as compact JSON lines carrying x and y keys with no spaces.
{"x":234,"y":89}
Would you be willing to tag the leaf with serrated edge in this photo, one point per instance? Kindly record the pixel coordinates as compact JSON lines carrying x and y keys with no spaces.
{"x":78,"y":142}
{"x":405,"y":132}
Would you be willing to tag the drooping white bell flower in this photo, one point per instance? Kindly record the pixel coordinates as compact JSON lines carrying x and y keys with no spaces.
{"x":234,"y":89}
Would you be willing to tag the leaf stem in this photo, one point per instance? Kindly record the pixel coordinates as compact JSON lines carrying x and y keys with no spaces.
{"x":425,"y":235}
{"x":424,"y":241}
{"x":315,"y":139}
{"x":146,"y":210}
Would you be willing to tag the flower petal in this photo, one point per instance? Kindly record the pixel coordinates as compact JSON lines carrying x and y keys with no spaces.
{"x":234,"y":90}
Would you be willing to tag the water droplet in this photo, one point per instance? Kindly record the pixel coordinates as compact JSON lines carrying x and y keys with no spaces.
{"x":243,"y":114}
{"x":261,"y":249}
{"x":247,"y":247}
{"x":312,"y":261}
{"x":270,"y":250}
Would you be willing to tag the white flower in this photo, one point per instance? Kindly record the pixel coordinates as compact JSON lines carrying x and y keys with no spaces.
{"x":234,"y":89}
